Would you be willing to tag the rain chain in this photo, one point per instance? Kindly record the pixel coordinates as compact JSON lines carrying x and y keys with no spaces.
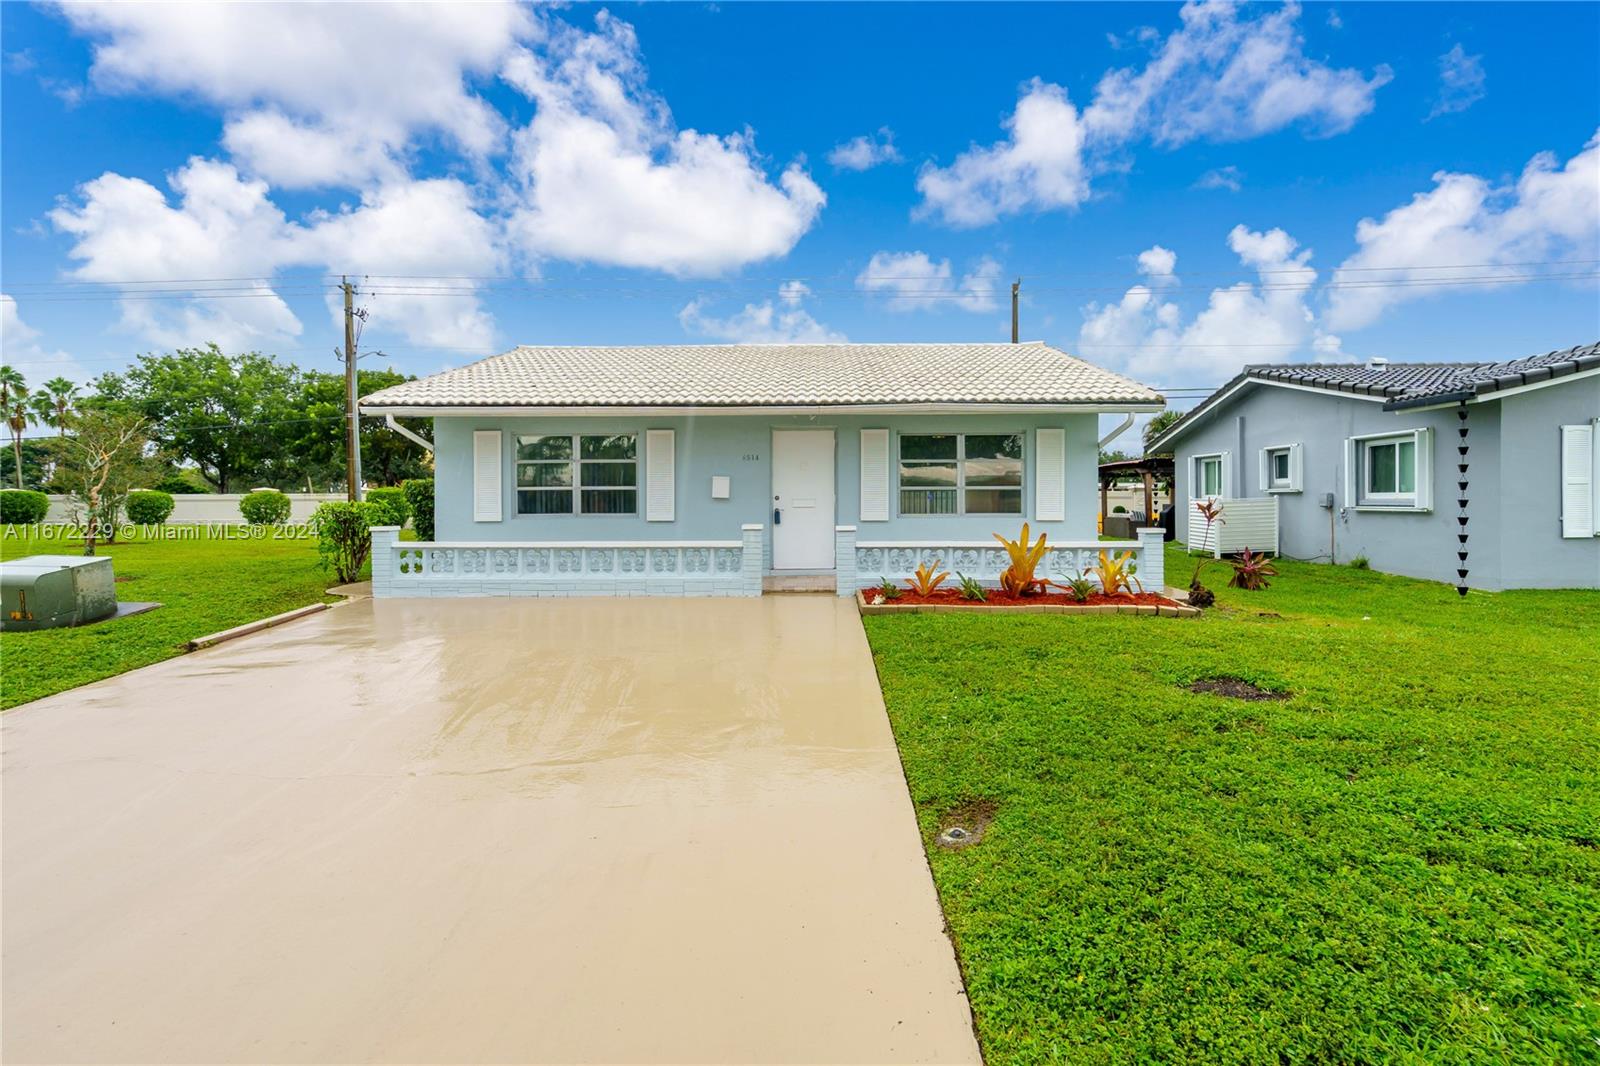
{"x":1461,"y":501}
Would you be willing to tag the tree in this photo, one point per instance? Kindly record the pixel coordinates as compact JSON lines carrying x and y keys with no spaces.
{"x":1159,"y":425}
{"x":99,"y":464}
{"x":54,"y":405}
{"x":15,"y":411}
{"x":387,"y":458}
{"x":230,"y":415}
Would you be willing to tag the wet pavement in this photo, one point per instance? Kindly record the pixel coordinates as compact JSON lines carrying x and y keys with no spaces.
{"x":472,"y":831}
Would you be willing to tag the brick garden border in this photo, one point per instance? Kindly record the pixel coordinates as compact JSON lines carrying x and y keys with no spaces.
{"x":1173,"y":610}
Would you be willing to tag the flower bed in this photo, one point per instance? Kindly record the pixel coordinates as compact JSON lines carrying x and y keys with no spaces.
{"x":1052,"y":602}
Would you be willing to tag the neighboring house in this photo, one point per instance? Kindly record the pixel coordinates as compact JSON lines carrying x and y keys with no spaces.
{"x":1478,"y":474}
{"x":707,"y":468}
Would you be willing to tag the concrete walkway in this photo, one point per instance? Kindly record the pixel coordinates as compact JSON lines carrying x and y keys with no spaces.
{"x":473,"y":831}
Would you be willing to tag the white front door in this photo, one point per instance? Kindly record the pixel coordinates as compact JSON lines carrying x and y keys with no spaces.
{"x":802,"y":499}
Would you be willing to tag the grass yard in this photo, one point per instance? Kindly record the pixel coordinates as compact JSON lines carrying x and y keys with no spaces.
{"x":205,"y":585}
{"x":1400,"y":863}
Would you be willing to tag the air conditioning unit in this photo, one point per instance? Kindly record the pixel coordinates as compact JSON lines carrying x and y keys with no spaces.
{"x":49,"y":591}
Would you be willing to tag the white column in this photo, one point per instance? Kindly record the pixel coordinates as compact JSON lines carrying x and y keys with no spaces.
{"x":844,"y":559}
{"x":751,"y":557}
{"x":384,"y":539}
{"x":1152,"y":559}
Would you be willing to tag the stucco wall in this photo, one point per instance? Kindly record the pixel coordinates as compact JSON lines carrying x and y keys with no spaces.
{"x":1535,"y":555}
{"x":741,"y":447}
{"x":1417,"y":545}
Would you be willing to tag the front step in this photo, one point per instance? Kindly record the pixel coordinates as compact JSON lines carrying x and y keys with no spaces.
{"x":799,"y":583}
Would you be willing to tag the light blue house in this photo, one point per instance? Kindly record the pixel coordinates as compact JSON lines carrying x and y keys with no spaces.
{"x":729,"y":469}
{"x":1482,"y":475}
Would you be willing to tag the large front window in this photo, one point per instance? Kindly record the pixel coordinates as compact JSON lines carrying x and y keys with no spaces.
{"x":960,"y":473}
{"x":578,"y":474}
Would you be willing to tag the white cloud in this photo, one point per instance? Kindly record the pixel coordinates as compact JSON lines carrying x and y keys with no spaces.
{"x":1266,"y":321}
{"x":761,"y":323}
{"x":1224,"y":77}
{"x":1157,"y":262}
{"x":1039,"y":166}
{"x":865,"y":152}
{"x":20,"y":349}
{"x":1551,"y":211}
{"x":1221,"y":76}
{"x":226,"y":226}
{"x":1460,"y":82}
{"x":1230,"y":178}
{"x":289,"y":77}
{"x":607,"y":179}
{"x":912,"y":281}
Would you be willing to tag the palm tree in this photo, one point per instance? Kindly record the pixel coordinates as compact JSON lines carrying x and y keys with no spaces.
{"x":1159,"y":425}
{"x":14,"y":409}
{"x":53,"y":406}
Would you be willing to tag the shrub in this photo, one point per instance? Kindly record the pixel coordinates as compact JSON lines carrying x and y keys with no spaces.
{"x":1119,"y":509}
{"x":1361,"y":562}
{"x":392,"y":509}
{"x":1250,"y":571}
{"x":178,"y":485}
{"x":419,"y":496}
{"x":146,"y":507}
{"x":344,"y":536}
{"x":265,"y":507}
{"x":22,"y":507}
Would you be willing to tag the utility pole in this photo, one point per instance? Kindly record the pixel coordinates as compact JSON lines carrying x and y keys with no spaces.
{"x":1016,"y":287}
{"x":352,"y":451}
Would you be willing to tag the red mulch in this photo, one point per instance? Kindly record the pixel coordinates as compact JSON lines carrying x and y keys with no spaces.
{"x":997,"y":598}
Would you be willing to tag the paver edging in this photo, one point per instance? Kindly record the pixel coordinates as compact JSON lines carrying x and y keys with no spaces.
{"x":1143,"y":609}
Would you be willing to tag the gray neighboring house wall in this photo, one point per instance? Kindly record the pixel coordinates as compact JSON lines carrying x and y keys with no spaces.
{"x":1528,"y":503}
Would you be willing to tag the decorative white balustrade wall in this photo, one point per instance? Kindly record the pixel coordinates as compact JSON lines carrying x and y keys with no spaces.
{"x":565,"y":568}
{"x":870,"y":561}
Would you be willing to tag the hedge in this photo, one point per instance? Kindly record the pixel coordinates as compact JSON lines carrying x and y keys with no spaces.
{"x":265,"y":507}
{"x":390,"y":507}
{"x":148,"y":507}
{"x":23,"y":507}
{"x":419,"y":494}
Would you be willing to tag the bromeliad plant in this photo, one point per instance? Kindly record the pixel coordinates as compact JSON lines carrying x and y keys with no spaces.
{"x":1250,"y":571}
{"x":888,"y":590}
{"x":1018,"y":579}
{"x":971,"y":589}
{"x":1117,"y":574}
{"x":924,"y":580}
{"x":1080,"y":584}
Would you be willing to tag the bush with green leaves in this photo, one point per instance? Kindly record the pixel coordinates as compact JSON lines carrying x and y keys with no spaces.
{"x":147,"y":507}
{"x":392,"y":509}
{"x":23,"y":507}
{"x":178,"y":485}
{"x":419,"y":497}
{"x":344,"y":536}
{"x":265,"y":507}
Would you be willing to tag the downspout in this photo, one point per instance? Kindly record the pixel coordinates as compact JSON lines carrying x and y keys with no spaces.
{"x":389,"y":421}
{"x":1118,"y":431}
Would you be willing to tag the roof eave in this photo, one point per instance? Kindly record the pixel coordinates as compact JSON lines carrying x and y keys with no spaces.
{"x":437,"y":410}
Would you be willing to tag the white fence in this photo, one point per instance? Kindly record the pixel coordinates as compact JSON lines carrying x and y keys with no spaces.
{"x":1244,"y":523}
{"x":566,"y":568}
{"x":210,"y":508}
{"x":870,"y":561}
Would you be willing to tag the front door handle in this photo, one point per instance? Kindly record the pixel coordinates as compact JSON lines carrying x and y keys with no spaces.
{"x":777,"y":517}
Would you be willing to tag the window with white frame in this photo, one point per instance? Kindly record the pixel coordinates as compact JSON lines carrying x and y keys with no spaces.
{"x":1389,"y":469}
{"x":578,"y":474}
{"x":1207,"y":476}
{"x":960,"y":473}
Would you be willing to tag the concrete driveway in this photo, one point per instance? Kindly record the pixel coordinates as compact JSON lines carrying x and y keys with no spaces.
{"x":472,"y":831}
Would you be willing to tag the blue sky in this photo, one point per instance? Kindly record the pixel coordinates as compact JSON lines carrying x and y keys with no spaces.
{"x":1181,"y":190}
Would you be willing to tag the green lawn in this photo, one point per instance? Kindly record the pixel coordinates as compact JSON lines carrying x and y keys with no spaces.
{"x":1401,"y":863}
{"x":205,"y":585}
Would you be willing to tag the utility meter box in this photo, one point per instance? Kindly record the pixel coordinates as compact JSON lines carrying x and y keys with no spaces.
{"x":47,"y":591}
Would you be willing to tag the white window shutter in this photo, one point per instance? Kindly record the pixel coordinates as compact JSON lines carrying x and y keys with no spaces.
{"x":486,"y":475}
{"x":1424,"y":472}
{"x":1297,"y":469}
{"x":874,"y":475}
{"x":1578,"y":481}
{"x":1050,"y":476}
{"x":660,"y":475}
{"x":1350,"y":447}
{"x":1264,"y":471}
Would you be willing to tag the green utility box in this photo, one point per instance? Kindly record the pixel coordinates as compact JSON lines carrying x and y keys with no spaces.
{"x":46,"y":591}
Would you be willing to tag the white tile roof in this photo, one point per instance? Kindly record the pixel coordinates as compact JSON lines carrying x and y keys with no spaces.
{"x":769,"y":375}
